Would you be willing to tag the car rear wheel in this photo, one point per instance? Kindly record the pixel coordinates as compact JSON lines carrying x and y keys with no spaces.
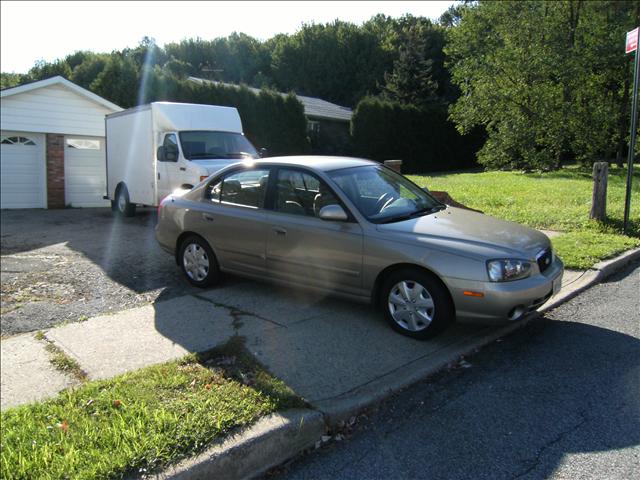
{"x":198,"y":262}
{"x":416,"y":304}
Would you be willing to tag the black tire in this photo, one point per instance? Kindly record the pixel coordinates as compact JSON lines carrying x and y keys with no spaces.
{"x":212,"y":271}
{"x":442,"y":314}
{"x":121,"y":204}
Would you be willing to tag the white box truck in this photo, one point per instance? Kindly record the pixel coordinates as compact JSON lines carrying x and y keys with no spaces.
{"x":155,"y":149}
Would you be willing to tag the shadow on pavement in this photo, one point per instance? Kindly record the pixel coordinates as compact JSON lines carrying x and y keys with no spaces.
{"x":124,"y":248}
{"x":529,"y":407}
{"x":323,"y":348}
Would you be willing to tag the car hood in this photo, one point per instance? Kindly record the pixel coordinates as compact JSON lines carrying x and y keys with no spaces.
{"x":487,"y":235}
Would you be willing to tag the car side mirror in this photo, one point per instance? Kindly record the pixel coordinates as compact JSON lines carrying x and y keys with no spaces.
{"x":160,"y":154}
{"x":263,"y":152}
{"x":333,"y":213}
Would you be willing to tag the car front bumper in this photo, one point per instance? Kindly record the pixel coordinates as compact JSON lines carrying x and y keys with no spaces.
{"x":502,"y":302}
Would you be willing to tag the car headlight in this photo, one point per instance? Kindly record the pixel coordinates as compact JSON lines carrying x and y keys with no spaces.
{"x":507,"y":269}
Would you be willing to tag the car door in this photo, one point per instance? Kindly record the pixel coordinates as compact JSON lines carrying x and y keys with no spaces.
{"x":234,"y":222}
{"x":301,"y":247}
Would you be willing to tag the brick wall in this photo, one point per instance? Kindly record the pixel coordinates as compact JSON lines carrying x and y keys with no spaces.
{"x":55,"y":170}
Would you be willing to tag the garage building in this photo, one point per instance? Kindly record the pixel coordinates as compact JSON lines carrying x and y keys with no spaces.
{"x":52,"y":143}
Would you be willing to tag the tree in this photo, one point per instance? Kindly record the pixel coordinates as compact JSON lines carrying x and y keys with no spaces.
{"x":8,"y":80}
{"x":411,"y":80}
{"x":88,"y":69}
{"x":542,"y":77}
{"x":118,"y":81}
{"x":339,"y":62}
{"x":42,"y":70}
{"x":177,"y":67}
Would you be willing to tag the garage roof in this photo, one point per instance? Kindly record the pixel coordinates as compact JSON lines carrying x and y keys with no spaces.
{"x":58,"y":80}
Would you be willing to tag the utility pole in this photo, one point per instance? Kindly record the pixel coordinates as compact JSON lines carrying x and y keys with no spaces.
{"x":632,"y":46}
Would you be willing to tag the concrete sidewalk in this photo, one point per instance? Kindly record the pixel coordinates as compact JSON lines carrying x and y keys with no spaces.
{"x":337,"y":355}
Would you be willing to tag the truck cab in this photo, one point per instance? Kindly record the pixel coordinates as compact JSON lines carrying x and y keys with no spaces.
{"x":187,"y":157}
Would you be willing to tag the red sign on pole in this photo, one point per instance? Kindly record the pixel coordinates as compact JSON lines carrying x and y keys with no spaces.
{"x":632,"y":41}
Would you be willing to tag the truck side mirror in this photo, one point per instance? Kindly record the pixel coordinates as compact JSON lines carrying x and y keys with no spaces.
{"x":263,"y":152}
{"x":160,"y":154}
{"x":171,"y":153}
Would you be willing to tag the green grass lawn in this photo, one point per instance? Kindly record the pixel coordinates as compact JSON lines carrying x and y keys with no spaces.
{"x":558,"y":201}
{"x":140,"y":421}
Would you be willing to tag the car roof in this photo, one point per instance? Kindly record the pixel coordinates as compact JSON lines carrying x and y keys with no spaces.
{"x":318,"y":162}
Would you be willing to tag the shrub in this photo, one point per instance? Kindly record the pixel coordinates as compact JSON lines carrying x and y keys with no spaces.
{"x":423,"y":138}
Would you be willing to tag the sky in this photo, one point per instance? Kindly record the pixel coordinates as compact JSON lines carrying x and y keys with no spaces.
{"x":32,"y":31}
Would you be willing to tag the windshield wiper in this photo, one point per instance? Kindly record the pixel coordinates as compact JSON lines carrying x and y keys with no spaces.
{"x":417,"y":213}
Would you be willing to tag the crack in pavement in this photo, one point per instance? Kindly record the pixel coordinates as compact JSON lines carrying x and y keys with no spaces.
{"x":557,"y":439}
{"x":236,"y":312}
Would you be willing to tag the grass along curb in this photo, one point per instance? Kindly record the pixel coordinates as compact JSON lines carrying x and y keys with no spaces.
{"x":141,"y":421}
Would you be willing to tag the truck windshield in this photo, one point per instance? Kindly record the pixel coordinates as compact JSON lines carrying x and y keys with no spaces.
{"x":199,"y":144}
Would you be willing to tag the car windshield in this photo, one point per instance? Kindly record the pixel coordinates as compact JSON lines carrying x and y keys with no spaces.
{"x":382,"y":195}
{"x":209,"y":144}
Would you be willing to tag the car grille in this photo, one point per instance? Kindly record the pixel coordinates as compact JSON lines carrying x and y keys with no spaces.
{"x":544,"y":259}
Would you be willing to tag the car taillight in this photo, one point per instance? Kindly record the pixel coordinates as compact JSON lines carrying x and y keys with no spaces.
{"x":160,"y":205}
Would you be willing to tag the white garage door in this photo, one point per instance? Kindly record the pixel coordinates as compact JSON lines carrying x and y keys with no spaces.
{"x":84,"y":172}
{"x":22,"y":170}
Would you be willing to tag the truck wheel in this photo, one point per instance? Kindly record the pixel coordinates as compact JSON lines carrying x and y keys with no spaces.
{"x":121,"y":204}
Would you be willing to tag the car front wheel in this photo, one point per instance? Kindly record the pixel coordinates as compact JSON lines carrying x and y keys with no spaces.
{"x":416,"y":304}
{"x":198,"y":262}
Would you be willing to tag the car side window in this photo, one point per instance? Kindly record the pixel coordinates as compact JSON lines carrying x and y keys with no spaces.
{"x":301,"y":193}
{"x":246,"y":188}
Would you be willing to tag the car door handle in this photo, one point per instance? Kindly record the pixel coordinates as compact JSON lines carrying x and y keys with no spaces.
{"x":183,"y":169}
{"x":279,"y":231}
{"x":207,"y":217}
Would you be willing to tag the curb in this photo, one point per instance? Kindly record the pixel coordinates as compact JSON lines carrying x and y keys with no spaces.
{"x":281,"y":436}
{"x":266,"y":444}
{"x":595,"y":274}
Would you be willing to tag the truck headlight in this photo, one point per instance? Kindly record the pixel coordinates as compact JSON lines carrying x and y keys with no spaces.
{"x":508,"y":269}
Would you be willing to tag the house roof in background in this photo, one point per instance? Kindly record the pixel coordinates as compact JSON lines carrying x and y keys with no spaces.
{"x":313,"y":107}
{"x":58,"y":80}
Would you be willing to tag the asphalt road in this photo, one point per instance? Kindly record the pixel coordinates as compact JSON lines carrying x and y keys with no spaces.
{"x":61,"y":266}
{"x":558,"y":399}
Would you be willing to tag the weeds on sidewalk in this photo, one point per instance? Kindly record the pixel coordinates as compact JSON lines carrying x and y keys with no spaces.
{"x":141,"y":421}
{"x":60,"y":360}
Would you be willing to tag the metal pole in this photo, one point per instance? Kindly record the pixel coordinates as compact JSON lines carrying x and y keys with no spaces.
{"x":632,"y":141}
